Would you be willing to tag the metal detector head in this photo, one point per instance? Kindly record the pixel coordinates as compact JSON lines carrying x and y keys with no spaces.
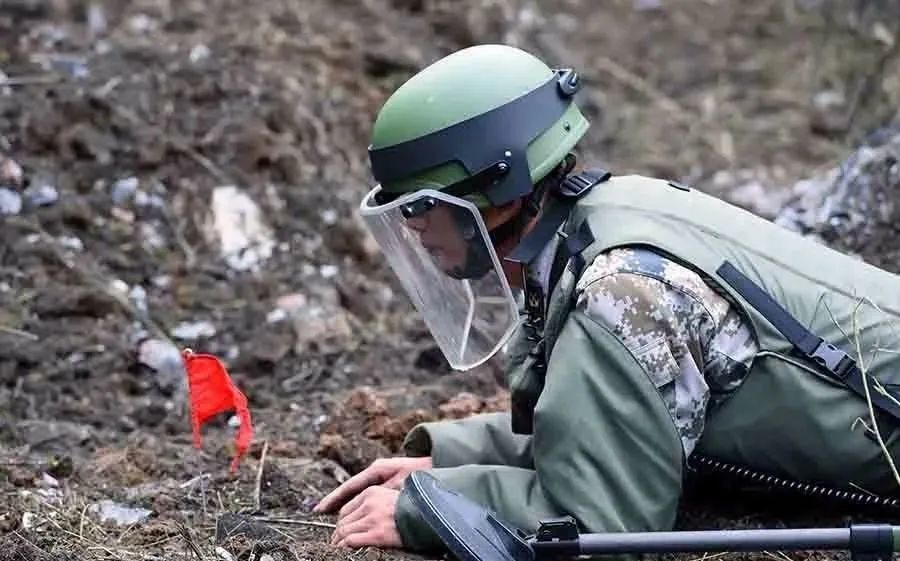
{"x":473,"y":533}
{"x":468,"y":530}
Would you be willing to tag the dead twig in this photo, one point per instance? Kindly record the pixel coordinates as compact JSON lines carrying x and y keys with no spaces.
{"x":29,"y":80}
{"x":18,"y":332}
{"x":190,"y":482}
{"x":257,"y":495}
{"x":81,"y":523}
{"x":863,"y":372}
{"x":708,"y":557}
{"x":294,"y":522}
{"x":189,"y":540}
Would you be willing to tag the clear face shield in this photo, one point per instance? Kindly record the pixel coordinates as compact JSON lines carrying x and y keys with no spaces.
{"x":440,"y":249}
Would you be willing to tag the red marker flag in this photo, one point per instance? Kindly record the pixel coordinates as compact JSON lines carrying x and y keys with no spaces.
{"x":212,"y":392}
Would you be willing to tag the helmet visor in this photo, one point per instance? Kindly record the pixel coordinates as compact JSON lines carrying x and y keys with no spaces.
{"x":440,"y":250}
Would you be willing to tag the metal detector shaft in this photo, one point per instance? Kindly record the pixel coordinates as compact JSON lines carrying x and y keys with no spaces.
{"x":876,"y":541}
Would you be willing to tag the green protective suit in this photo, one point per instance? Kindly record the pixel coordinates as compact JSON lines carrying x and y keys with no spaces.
{"x":603,"y":446}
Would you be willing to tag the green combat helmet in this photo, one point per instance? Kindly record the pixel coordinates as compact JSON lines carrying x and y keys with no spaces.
{"x":468,"y":114}
{"x":476,"y":129}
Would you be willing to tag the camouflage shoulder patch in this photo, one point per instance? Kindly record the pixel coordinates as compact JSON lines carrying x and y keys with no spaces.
{"x":692,"y":344}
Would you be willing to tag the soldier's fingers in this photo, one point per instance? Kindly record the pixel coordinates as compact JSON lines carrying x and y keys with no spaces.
{"x":372,"y":475}
{"x":378,"y":537}
{"x":357,"y":502}
{"x":348,"y":528}
{"x":354,"y":512}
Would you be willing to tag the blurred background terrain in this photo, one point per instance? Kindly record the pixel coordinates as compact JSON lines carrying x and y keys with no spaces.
{"x":185,"y":173}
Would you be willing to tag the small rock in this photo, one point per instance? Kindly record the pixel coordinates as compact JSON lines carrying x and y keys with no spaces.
{"x":151,"y":236}
{"x":142,"y":23}
{"x":829,"y":112}
{"x":191,"y":331}
{"x":138,"y":297}
{"x":199,"y":53}
{"x":237,"y":222}
{"x":881,"y":33}
{"x":122,"y":215}
{"x":124,"y":189}
{"x":121,"y":515}
{"x":48,"y":480}
{"x":223,"y":554}
{"x":70,"y":242}
{"x":329,"y":216}
{"x":76,"y":357}
{"x":328,"y":271}
{"x":10,"y":202}
{"x":119,"y":286}
{"x":5,"y":91}
{"x":143,"y":199}
{"x":51,"y":494}
{"x":276,"y":316}
{"x":74,"y":66}
{"x":42,"y":194}
{"x":165,"y":359}
{"x":96,"y":18}
{"x":29,"y":519}
{"x":10,"y":172}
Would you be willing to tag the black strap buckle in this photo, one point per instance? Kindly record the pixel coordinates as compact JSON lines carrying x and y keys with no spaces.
{"x":563,"y":528}
{"x":832,"y":358}
{"x":577,"y":185}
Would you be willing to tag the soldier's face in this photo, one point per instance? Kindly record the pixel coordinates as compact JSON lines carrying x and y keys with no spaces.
{"x":440,"y":235}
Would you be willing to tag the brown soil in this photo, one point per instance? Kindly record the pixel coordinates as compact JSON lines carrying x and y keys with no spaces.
{"x":277,"y":98}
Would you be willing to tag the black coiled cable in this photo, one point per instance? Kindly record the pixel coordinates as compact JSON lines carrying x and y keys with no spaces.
{"x":710,"y":465}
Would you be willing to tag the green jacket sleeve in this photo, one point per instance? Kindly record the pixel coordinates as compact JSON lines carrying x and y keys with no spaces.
{"x":481,"y":439}
{"x":605,"y":449}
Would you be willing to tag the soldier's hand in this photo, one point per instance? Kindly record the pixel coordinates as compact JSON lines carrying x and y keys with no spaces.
{"x":368,"y":520}
{"x":386,"y":472}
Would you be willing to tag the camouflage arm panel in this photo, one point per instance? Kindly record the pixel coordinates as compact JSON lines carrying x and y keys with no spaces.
{"x":605,"y":450}
{"x":691,"y":342}
{"x":481,"y":439}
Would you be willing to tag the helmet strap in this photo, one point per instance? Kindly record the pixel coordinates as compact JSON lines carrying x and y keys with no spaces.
{"x":533,"y":202}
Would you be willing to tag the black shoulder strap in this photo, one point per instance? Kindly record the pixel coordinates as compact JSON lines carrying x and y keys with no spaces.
{"x":838,"y":364}
{"x":557,"y":211}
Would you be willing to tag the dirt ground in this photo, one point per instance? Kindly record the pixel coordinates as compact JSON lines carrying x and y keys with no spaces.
{"x":129,"y":123}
